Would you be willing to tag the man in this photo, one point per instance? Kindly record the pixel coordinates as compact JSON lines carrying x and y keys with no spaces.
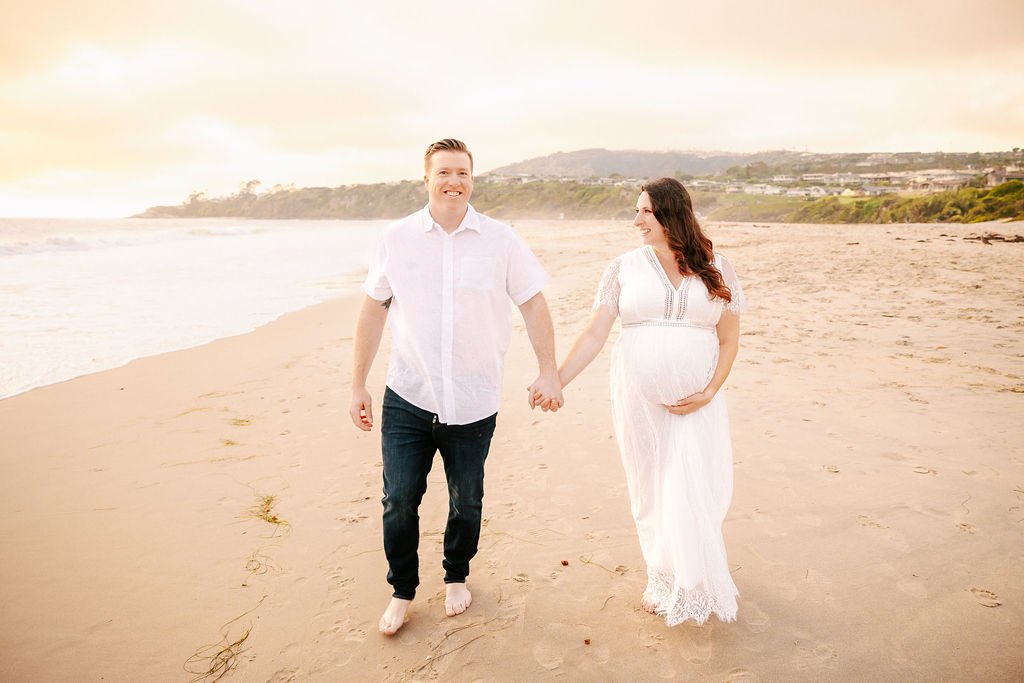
{"x":443,"y":277}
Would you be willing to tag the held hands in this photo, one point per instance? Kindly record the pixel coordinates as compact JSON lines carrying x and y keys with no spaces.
{"x":691,"y":403}
{"x":545,"y":393}
{"x":361,"y":409}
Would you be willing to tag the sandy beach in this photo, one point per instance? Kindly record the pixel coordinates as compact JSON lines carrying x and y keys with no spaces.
{"x":214,"y":508}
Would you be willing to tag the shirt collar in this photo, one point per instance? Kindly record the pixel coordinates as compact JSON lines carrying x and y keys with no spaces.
{"x":471,"y":221}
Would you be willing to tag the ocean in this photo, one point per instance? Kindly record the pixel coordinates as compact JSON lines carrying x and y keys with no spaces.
{"x":83,"y":295}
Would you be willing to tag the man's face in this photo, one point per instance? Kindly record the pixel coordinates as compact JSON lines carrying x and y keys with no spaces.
{"x":449,"y":180}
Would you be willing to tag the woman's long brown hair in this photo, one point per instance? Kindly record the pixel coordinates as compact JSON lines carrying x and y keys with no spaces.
{"x":673,"y":208}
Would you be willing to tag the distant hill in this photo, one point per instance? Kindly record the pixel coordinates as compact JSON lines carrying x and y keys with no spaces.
{"x":603,"y":163}
{"x":601,"y":183}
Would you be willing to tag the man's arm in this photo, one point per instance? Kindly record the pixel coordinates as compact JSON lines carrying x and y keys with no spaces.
{"x":546,"y":390}
{"x":369,"y":329}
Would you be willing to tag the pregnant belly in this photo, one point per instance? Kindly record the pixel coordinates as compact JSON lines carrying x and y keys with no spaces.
{"x":665,"y":364}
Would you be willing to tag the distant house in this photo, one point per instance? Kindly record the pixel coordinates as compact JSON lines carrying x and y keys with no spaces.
{"x":849,"y":193}
{"x":929,"y":185}
{"x":813,"y":177}
{"x":798,"y":192}
{"x":1001,"y":175}
{"x":783,"y":178}
{"x":817,"y":191}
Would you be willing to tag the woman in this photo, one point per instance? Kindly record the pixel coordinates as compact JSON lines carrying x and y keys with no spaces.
{"x":680,"y":304}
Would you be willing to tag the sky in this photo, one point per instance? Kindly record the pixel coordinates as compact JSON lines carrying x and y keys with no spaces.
{"x":111,"y":106}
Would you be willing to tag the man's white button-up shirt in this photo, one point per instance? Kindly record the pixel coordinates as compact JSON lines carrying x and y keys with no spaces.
{"x":450,"y":318}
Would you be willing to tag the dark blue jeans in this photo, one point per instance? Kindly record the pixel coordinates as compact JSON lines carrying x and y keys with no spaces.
{"x":410,"y":437}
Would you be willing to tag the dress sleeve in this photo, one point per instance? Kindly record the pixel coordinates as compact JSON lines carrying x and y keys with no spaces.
{"x":608,"y":290}
{"x":739,"y":301}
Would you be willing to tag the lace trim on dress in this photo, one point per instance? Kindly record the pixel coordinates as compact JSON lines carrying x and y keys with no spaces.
{"x":668,"y":323}
{"x":739,"y":301}
{"x":608,"y":290}
{"x":679,"y":604}
{"x":669,"y":291}
{"x":684,"y":298}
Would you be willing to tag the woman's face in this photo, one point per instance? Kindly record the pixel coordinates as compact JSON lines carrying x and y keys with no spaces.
{"x":650,"y":229}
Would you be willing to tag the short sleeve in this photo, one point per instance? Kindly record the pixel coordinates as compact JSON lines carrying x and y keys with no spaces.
{"x":738,"y":304}
{"x":376,"y":285}
{"x":608,"y":291}
{"x":525,"y":276}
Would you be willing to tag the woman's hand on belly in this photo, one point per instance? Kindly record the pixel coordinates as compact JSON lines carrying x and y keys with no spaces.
{"x":691,"y":403}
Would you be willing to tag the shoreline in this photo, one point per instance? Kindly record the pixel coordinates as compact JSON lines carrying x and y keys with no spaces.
{"x":327,"y":299}
{"x":878,"y":463}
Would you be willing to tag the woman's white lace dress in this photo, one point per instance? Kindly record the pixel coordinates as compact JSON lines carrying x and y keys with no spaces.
{"x":678,"y":467}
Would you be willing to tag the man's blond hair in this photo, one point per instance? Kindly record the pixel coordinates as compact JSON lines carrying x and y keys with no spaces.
{"x":446,"y":145}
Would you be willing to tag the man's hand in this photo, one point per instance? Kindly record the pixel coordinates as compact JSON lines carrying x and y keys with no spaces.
{"x":546,"y":393}
{"x":361,"y":409}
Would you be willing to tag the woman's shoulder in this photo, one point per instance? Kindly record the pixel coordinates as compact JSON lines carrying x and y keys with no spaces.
{"x":616,"y":263}
{"x":721,"y":261}
{"x":631,"y":255}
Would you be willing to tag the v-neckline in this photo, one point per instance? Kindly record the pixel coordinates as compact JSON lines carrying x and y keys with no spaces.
{"x":656,"y":262}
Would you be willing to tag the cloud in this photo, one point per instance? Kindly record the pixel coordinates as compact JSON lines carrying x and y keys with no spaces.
{"x":206,"y":94}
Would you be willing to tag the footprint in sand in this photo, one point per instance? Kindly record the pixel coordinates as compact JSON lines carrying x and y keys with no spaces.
{"x":914,"y":589}
{"x":965,"y":527}
{"x":357,"y":634}
{"x":830,"y":468}
{"x":864,"y":520}
{"x":521,"y":578}
{"x":822,"y":656}
{"x":890,"y":537}
{"x":920,"y":469}
{"x":698,"y":648}
{"x":648,"y":639}
{"x":352,"y":519}
{"x":986,"y":598}
{"x":547,"y":655}
{"x":755,"y":620}
{"x":737,"y":675}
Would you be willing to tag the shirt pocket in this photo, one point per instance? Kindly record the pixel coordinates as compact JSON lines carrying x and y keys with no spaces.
{"x":478,"y":272}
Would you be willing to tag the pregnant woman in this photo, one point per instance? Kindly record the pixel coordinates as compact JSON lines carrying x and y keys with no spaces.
{"x":679,"y":303}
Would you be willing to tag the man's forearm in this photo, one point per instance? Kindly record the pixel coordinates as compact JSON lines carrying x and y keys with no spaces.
{"x":541,"y":332}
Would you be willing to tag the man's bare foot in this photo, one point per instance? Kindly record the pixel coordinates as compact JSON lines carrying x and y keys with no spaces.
{"x":394,"y":616}
{"x":456,"y":598}
{"x":648,"y":605}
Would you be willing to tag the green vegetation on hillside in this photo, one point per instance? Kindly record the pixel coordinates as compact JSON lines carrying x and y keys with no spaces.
{"x":719,"y":206}
{"x":552,"y":199}
{"x":394,"y":200}
{"x":969,"y":205}
{"x":866,"y":163}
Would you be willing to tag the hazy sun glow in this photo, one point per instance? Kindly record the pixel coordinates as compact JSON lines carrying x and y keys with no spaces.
{"x":132,"y":104}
